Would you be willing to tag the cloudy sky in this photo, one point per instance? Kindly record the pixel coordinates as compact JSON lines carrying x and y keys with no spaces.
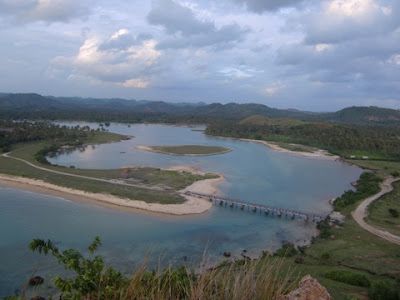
{"x":314,"y":55}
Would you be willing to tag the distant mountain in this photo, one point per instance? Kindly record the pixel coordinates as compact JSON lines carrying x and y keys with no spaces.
{"x":363,"y":115}
{"x":35,"y":105}
{"x":29,"y":102}
{"x":241,"y":111}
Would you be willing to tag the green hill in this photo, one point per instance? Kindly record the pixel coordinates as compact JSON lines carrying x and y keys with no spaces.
{"x":364,"y":115}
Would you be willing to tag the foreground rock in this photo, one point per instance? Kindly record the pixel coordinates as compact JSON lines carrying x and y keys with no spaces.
{"x":309,"y":289}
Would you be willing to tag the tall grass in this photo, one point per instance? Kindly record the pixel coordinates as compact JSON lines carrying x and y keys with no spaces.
{"x":263,"y":278}
{"x":258,"y":279}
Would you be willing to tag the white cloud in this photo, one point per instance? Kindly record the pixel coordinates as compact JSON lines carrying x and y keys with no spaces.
{"x":322,"y":47}
{"x":127,"y":66}
{"x":135,"y":83}
{"x":395,"y":59}
{"x":274,"y":88}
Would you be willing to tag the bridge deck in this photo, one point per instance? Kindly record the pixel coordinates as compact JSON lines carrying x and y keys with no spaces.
{"x":255,"y":206}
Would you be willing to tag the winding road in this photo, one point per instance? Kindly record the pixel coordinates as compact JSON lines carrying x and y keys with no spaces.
{"x":361,"y":212}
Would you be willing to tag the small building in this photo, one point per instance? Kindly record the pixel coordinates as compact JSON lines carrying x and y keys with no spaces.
{"x":352,"y":156}
{"x":365,"y":157}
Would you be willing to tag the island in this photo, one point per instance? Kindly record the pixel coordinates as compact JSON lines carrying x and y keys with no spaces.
{"x":185,"y":150}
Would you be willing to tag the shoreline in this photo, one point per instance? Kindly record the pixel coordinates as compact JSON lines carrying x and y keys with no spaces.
{"x":149,"y":149}
{"x":191,"y":206}
{"x":318,"y":154}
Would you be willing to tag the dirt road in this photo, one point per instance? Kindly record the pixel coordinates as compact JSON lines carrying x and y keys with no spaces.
{"x":361,"y":212}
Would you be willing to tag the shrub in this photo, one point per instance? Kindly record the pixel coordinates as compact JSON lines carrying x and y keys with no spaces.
{"x":324,"y":228}
{"x":325,"y":255}
{"x":384,"y":290}
{"x":89,"y":278}
{"x":367,"y":185}
{"x":287,"y":250}
{"x":348,"y":277}
{"x":395,"y":173}
{"x":393,"y":212}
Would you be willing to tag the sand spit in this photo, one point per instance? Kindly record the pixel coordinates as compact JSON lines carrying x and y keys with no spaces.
{"x":192,"y":205}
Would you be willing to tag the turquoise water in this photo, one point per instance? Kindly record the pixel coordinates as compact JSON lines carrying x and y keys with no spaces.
{"x":253,"y":173}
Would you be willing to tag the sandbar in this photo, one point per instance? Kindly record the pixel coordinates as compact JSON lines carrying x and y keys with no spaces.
{"x":150,"y":149}
{"x":192,"y":205}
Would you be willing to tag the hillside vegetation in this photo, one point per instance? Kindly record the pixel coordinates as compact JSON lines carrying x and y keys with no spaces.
{"x":376,"y":142}
{"x":34,"y":106}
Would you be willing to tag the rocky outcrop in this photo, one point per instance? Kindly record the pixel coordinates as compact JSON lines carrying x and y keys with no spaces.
{"x":309,"y":289}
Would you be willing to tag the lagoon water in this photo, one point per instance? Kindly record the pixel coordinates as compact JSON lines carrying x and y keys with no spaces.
{"x":253,"y":173}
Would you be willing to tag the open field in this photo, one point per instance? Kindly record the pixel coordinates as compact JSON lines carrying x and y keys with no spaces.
{"x":189,"y":150}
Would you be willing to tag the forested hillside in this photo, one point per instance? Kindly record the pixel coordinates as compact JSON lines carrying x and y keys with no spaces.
{"x":346,"y":140}
{"x":34,"y":106}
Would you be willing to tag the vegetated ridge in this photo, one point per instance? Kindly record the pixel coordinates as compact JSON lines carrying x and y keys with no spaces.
{"x":29,"y":105}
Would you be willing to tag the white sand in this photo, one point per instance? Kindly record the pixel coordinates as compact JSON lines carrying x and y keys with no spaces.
{"x":319,"y":154}
{"x":192,"y":205}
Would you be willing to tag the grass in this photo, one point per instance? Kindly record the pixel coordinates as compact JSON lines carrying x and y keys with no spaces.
{"x":261,"y":279}
{"x":190,"y":150}
{"x":382,"y":168}
{"x":352,"y":249}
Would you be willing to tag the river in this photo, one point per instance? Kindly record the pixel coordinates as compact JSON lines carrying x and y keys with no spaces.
{"x":253,"y":173}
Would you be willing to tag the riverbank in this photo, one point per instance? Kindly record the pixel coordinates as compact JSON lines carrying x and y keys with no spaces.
{"x":192,"y":205}
{"x":318,"y":154}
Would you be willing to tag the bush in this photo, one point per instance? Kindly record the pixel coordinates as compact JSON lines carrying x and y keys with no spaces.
{"x":348,"y":277}
{"x":384,"y":290}
{"x":324,"y":228}
{"x":325,"y":255}
{"x":90,"y":275}
{"x":393,"y":212}
{"x":367,"y":185}
{"x":287,"y":250}
{"x":395,"y":173}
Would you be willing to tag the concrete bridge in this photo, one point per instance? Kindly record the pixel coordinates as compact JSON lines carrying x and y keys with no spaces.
{"x":266,"y":209}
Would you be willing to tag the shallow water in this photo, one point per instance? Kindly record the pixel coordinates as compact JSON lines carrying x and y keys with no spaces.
{"x":253,"y":173}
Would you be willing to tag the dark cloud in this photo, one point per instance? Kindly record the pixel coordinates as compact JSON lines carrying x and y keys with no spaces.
{"x":220,"y":39}
{"x":187,"y":30}
{"x":260,"y":6}
{"x":177,"y":18}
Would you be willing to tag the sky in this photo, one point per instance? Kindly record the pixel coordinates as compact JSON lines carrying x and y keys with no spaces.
{"x":316,"y":55}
